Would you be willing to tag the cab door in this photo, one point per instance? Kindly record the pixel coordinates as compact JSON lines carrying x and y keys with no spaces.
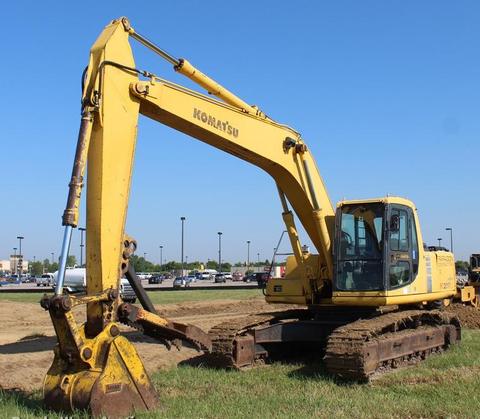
{"x":399,"y":270}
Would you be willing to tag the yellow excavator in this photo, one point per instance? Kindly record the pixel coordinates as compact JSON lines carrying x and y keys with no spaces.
{"x":369,"y":298}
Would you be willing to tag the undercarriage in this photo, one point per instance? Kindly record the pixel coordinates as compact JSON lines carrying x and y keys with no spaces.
{"x":354,"y":345}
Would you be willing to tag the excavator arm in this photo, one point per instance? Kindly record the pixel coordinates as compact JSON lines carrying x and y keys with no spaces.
{"x":94,"y":365}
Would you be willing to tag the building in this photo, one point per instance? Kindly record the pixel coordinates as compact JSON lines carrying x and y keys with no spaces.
{"x":16,"y":261}
{"x":5,"y":266}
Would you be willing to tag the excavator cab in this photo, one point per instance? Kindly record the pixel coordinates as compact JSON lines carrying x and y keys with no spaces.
{"x":377,"y":257}
{"x":376,"y":250}
{"x":360,"y":258}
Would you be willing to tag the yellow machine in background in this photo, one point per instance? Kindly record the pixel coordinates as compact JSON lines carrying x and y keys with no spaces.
{"x":469,"y":292}
{"x":371,"y":273}
{"x":474,"y":270}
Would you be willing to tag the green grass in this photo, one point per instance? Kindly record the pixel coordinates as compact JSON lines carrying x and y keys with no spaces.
{"x":180,"y":296}
{"x":159,"y":297}
{"x":20,"y":297}
{"x":443,"y":386}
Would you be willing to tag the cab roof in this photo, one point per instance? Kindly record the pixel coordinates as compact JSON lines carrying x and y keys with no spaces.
{"x":383,"y":200}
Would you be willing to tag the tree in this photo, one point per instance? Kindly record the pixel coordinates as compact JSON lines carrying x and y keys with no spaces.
{"x":461,"y":265}
{"x":226,"y":267}
{"x":37,"y":268}
{"x":71,"y":260}
{"x":211,"y":264}
{"x":171,"y":266}
{"x":46,"y":265}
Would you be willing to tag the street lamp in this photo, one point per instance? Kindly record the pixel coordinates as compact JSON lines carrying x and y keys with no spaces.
{"x":20,"y":257}
{"x":183,"y":222}
{"x":15,"y":264}
{"x":53,"y":257}
{"x":219,"y":251}
{"x":439,"y":242}
{"x":82,"y":229}
{"x":161,"y":257}
{"x":451,"y":238}
{"x":248,"y":254}
{"x":258,"y":258}
{"x":144,"y":260}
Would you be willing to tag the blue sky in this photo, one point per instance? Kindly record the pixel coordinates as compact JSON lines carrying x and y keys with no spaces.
{"x":386,"y":95}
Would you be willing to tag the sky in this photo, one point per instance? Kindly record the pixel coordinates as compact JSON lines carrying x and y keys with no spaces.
{"x":385,"y":94}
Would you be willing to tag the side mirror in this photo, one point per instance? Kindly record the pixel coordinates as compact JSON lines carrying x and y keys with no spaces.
{"x":394,"y":223}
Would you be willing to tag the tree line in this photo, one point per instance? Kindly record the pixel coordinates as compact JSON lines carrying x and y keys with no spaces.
{"x":141,"y":264}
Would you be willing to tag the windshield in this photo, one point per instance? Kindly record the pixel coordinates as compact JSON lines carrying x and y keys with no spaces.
{"x":360,"y":247}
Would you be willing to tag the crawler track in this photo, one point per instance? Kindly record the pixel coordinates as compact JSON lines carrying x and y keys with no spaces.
{"x":360,"y":349}
{"x":356,"y":350}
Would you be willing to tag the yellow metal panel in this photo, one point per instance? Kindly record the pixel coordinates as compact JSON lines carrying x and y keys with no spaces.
{"x":110,"y":162}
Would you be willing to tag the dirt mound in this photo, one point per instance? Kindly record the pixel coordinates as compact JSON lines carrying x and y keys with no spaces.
{"x":192,"y":309}
{"x":27,"y":337}
{"x":469,"y":316}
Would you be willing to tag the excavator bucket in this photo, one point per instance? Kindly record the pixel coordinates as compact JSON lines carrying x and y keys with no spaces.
{"x":103,"y":374}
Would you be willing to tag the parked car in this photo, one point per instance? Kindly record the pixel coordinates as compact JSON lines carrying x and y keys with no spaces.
{"x":14,"y":278}
{"x":156,"y":279}
{"x":192,"y":278}
{"x":260,"y":277}
{"x":181,"y":282}
{"x":237,"y":276}
{"x":220,"y":278}
{"x":45,"y":280}
{"x":209,"y":274}
{"x":228,"y":275}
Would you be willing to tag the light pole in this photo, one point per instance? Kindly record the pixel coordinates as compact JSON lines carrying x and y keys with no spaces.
{"x":53,"y":254}
{"x":82,"y":229}
{"x":451,"y":238}
{"x":248,"y":254}
{"x":219,"y":252}
{"x":258,"y":258}
{"x":161,"y":257}
{"x":183,"y":222}
{"x":144,"y":260}
{"x":20,"y":257}
{"x":439,"y":242}
{"x":15,"y":260}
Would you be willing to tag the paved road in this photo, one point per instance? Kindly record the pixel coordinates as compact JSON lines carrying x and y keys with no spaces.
{"x":167,"y":285}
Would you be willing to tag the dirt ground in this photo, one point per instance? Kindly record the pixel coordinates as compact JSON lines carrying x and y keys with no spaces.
{"x":27,"y":337}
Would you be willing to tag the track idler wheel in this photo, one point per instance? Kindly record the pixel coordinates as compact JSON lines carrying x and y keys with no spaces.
{"x":108,"y":378}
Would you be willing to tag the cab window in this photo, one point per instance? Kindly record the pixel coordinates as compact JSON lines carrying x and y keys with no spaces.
{"x":399,"y":238}
{"x":413,"y":235}
{"x":399,"y":274}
